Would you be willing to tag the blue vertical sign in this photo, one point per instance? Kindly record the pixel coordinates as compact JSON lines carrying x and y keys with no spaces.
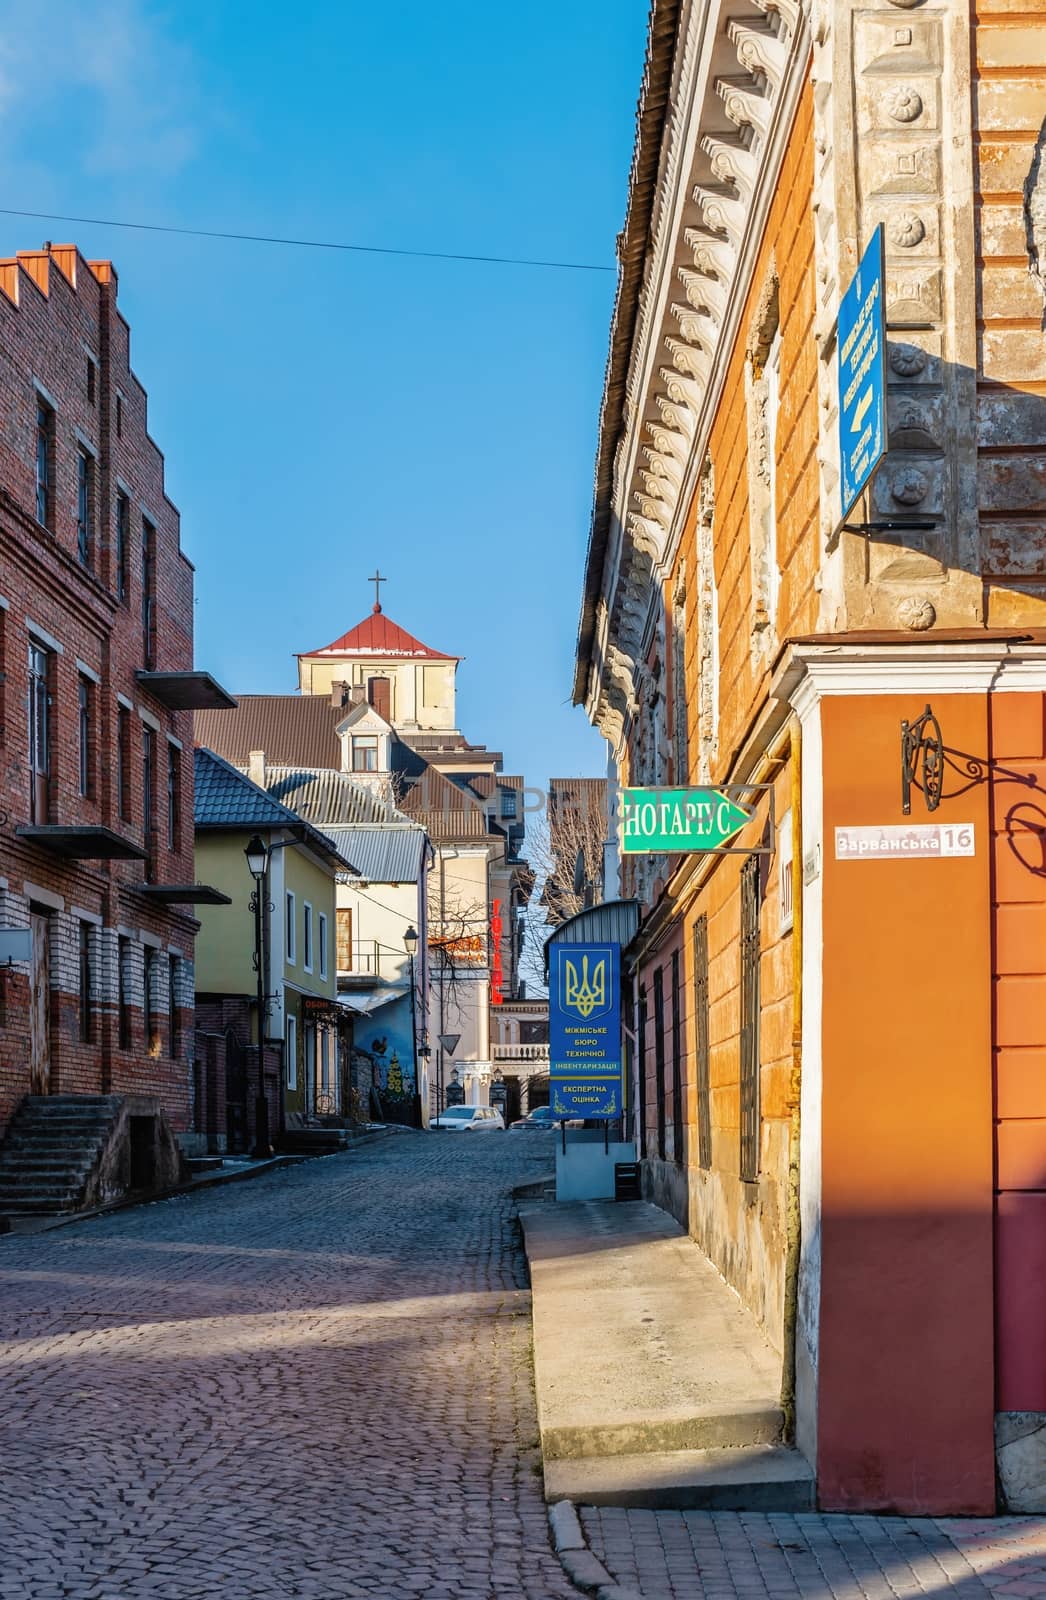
{"x":584,"y":1016}
{"x":861,"y":345}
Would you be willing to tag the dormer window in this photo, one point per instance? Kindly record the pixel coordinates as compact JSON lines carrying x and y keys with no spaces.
{"x":365,"y":752}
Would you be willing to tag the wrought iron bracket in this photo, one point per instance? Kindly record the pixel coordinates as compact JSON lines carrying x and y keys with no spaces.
{"x":922,"y":761}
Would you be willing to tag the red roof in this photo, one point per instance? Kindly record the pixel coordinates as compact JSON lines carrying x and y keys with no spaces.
{"x":380,"y":637}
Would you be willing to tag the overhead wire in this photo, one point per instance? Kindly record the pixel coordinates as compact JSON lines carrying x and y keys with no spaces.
{"x":310,"y":244}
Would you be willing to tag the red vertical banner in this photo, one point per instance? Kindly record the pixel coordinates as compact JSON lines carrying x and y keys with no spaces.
{"x":497,"y":993}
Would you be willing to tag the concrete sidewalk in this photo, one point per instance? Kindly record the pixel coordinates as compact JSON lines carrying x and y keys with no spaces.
{"x":655,"y":1386}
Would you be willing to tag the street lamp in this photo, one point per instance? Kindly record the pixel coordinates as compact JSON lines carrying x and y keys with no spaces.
{"x":257,"y":854}
{"x":410,"y":944}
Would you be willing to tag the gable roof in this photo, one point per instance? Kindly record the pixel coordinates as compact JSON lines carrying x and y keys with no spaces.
{"x":379,"y":638}
{"x":224,"y":799}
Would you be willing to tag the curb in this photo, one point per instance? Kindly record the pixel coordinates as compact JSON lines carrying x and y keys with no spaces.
{"x":578,"y":1562}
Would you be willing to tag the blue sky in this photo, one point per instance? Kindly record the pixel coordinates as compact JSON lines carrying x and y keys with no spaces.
{"x":321,"y":412}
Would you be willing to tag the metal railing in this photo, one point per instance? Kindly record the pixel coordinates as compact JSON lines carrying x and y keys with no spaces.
{"x":376,"y":960}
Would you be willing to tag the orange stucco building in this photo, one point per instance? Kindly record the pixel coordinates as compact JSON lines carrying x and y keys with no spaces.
{"x":840,"y":1064}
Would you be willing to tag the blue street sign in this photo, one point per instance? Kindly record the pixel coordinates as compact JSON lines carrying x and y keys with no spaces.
{"x":584,"y":1017}
{"x":862,"y":372}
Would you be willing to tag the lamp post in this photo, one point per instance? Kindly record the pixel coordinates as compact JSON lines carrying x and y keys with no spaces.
{"x":410,"y":944}
{"x":257,"y":854}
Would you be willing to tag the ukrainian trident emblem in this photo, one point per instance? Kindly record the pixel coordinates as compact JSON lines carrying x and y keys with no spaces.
{"x":586,"y":992}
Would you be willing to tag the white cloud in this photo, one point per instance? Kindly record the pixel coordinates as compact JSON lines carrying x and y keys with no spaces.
{"x":110,"y":77}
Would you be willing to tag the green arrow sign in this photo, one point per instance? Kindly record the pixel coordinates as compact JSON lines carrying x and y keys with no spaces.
{"x":659,"y":820}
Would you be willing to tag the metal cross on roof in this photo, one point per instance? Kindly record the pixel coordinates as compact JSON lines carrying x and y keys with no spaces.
{"x":377,"y":581}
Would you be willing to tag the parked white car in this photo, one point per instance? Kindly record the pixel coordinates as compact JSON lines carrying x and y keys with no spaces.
{"x":469,"y":1119}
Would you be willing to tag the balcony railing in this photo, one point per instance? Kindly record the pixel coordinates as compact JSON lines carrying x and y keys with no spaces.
{"x":537,"y":1053}
{"x":375,"y":960}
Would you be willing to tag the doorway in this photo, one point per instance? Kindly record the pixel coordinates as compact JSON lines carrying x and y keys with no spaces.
{"x":40,"y":1004}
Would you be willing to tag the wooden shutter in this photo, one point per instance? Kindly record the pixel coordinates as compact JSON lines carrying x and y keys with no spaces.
{"x":343,"y":920}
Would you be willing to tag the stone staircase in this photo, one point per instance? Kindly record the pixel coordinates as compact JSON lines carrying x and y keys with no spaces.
{"x":52,"y":1149}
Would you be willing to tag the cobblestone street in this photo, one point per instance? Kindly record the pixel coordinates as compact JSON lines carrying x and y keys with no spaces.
{"x":313,"y":1384}
{"x":318,"y":1384}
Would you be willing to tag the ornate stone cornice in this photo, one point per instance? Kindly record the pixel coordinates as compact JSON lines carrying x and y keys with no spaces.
{"x":722,"y":145}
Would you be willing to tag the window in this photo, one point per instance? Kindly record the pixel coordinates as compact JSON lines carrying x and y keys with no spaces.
{"x":44,"y":464}
{"x":306,"y":937}
{"x":39,"y":731}
{"x":750,"y":1020}
{"x":292,"y":930}
{"x":123,"y":547}
{"x":291,"y":1050}
{"x":119,"y":416}
{"x":343,"y":931}
{"x":123,"y":980}
{"x":152,"y":1042}
{"x":509,"y":803}
{"x":86,"y":1017}
{"x":148,"y":593}
{"x":92,"y":377}
{"x":642,"y":1070}
{"x":659,"y":1056}
{"x":85,"y":692}
{"x":148,"y":781}
{"x":704,"y":1093}
{"x":677,"y":1073}
{"x":172,"y":1013}
{"x":323,"y":945}
{"x":785,"y":859}
{"x":174,"y":796}
{"x":123,"y":763}
{"x":85,"y":506}
{"x":365,"y":753}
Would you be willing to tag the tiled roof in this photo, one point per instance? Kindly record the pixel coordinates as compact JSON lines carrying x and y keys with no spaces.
{"x":379,"y":637}
{"x":290,"y":728}
{"x":298,"y":731}
{"x":225,"y":798}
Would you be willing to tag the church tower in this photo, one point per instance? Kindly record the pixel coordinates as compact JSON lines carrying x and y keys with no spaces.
{"x":380,"y":664}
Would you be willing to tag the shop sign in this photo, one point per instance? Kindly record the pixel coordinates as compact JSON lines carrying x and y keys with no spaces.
{"x":662,"y":820}
{"x":496,"y":971}
{"x":919,"y":841}
{"x":861,"y":344}
{"x":584,"y":994}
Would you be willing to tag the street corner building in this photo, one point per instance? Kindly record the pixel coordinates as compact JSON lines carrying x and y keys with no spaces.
{"x":97,"y":689}
{"x":839,"y":1080}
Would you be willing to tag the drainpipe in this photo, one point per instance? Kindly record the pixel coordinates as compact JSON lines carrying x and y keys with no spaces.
{"x":793,"y":1216}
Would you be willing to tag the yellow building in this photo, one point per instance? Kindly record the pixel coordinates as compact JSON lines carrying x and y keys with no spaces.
{"x":299,"y":957}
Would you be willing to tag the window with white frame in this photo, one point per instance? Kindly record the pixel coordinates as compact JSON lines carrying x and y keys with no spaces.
{"x":785,"y":857}
{"x":292,"y":929}
{"x":306,"y":937}
{"x":291,"y":1048}
{"x":322,"y":937}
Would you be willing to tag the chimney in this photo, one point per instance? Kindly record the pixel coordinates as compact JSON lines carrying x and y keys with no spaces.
{"x":339,"y":695}
{"x":357,"y":694}
{"x":256,"y":767}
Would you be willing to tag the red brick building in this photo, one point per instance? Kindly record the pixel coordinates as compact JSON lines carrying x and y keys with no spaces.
{"x":96,"y":696}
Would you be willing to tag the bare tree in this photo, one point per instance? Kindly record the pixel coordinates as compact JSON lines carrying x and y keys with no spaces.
{"x":565,"y":849}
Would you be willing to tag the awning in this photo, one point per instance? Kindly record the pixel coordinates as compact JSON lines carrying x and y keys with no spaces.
{"x":366,"y":1004}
